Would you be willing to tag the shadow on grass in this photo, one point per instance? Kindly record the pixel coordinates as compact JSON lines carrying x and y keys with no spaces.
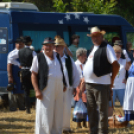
{"x":15,"y":119}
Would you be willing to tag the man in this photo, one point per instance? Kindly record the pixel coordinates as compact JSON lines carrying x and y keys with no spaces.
{"x":75,"y":42}
{"x":16,"y":97}
{"x":101,"y":62}
{"x":25,"y":56}
{"x":72,"y":79}
{"x":48,"y":80}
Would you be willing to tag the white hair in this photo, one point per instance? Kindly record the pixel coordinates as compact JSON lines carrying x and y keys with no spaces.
{"x":80,"y":51}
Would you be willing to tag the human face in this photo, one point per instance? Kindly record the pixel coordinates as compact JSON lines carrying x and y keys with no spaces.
{"x":118,"y":54}
{"x":48,"y":48}
{"x":59,"y":49}
{"x":83,"y":58}
{"x":97,"y":39}
{"x":76,"y":41}
{"x":19,"y":45}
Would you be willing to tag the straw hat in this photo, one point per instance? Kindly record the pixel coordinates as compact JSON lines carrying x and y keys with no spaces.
{"x":95,"y":30}
{"x":118,"y":42}
{"x":60,"y":41}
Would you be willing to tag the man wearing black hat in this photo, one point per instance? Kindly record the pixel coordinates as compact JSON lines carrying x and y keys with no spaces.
{"x":75,"y":42}
{"x":25,"y":56}
{"x":16,"y":96}
{"x":48,"y":81}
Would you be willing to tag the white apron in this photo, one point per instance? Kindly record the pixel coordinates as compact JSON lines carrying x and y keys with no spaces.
{"x":67,"y":97}
{"x":129,"y":95}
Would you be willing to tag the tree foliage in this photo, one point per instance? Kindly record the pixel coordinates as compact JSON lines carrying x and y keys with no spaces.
{"x":119,"y":7}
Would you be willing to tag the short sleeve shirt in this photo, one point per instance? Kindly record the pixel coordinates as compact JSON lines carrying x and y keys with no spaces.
{"x":54,"y":66}
{"x":73,"y":50}
{"x":89,"y":75}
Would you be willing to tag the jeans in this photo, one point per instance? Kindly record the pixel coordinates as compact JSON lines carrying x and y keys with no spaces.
{"x":119,"y":93}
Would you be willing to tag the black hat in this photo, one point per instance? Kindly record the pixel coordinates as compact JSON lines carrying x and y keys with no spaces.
{"x":48,"y":40}
{"x":27,"y":39}
{"x":20,"y":39}
{"x":75,"y":36}
{"x":10,"y":87}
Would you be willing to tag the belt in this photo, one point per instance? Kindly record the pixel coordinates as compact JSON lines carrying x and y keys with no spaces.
{"x":25,"y":67}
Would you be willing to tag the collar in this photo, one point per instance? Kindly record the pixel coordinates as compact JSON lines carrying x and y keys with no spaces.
{"x":27,"y":46}
{"x":64,"y":56}
{"x":78,"y":61}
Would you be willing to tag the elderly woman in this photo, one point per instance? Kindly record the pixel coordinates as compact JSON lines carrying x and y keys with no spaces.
{"x":81,"y":55}
{"x":120,"y":80}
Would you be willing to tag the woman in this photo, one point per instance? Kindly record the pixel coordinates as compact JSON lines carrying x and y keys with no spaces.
{"x":128,"y":105}
{"x":81,"y":55}
{"x":120,"y":80}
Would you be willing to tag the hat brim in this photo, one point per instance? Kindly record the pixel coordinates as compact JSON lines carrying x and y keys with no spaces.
{"x":60,"y":44}
{"x":48,"y":43}
{"x":96,"y":33}
{"x":118,"y":44}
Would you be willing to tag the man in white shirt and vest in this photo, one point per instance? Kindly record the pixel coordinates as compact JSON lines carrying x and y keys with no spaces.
{"x":101,"y":62}
{"x":72,"y":79}
{"x":49,"y":84}
{"x":16,"y":96}
{"x":25,"y":56}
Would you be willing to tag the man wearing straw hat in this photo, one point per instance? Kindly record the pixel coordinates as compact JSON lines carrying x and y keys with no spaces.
{"x":49,"y":83}
{"x":101,"y":62}
{"x":72,"y":79}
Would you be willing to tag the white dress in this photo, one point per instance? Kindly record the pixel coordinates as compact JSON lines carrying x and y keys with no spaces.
{"x":129,"y":92}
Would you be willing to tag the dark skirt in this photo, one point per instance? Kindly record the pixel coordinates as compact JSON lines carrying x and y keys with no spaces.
{"x":80,"y":120}
{"x":129,"y":115}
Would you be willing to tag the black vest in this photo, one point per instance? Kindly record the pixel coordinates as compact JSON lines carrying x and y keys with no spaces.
{"x":69,"y":67}
{"x":43,"y":71}
{"x":101,"y":65}
{"x":26,"y":57}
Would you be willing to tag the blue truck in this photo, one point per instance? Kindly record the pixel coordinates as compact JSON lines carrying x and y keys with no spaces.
{"x":18,"y":19}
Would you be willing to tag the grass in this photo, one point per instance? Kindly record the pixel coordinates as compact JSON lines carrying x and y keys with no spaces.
{"x":21,"y":123}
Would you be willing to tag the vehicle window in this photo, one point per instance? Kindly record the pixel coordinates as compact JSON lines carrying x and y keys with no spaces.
{"x":130,"y":38}
{"x":109,"y":36}
{"x":3,"y":40}
{"x":38,"y":37}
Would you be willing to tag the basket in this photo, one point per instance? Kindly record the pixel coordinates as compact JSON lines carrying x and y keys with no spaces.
{"x":113,"y":122}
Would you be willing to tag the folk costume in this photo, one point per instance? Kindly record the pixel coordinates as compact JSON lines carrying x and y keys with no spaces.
{"x":72,"y":79}
{"x":49,"y":110}
{"x":25,"y":56}
{"x":16,"y":96}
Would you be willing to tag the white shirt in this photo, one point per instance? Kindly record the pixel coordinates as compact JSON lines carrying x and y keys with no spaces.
{"x":89,"y":75}
{"x":54,"y":66}
{"x":9,"y":61}
{"x":118,"y":81}
{"x":80,"y":70}
{"x":126,"y":55}
{"x":15,"y":55}
{"x":75,"y":75}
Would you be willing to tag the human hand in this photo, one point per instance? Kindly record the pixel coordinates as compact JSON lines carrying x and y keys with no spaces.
{"x":10,"y":79}
{"x":74,"y":92}
{"x":124,"y":81}
{"x":64,"y":89}
{"x":38,"y":94}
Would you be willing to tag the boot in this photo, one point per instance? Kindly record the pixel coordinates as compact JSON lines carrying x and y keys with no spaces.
{"x":28,"y":111}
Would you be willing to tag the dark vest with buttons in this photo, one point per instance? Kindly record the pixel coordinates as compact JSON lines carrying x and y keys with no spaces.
{"x":26,"y":57}
{"x":101,"y":65}
{"x":43,"y":70}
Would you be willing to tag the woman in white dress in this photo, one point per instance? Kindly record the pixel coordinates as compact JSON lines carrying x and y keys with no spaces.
{"x":128,"y":105}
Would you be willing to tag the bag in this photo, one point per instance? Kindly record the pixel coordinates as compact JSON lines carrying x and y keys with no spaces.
{"x":112,"y":121}
{"x":80,"y":111}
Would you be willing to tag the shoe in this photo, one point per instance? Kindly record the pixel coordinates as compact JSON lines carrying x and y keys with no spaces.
{"x":22,"y":109}
{"x":28,"y":111}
